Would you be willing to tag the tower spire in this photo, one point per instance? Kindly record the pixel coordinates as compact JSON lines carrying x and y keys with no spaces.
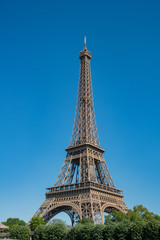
{"x":85,"y":42}
{"x":85,"y":128}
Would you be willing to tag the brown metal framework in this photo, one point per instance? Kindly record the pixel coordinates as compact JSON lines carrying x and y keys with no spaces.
{"x":84,"y":187}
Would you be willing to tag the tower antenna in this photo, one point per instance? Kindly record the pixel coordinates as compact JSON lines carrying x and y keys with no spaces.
{"x":85,"y":42}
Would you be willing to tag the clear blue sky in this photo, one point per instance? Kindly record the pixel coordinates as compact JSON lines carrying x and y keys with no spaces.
{"x":39,"y":70}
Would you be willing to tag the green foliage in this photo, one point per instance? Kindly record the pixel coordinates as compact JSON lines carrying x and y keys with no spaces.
{"x":35,"y":222}
{"x":122,"y":230}
{"x":19,"y":232}
{"x":139,"y":213}
{"x":144,"y":213}
{"x":14,"y":221}
{"x":56,"y":231}
{"x":73,"y":234}
{"x":133,"y":216}
{"x":4,"y":230}
{"x":86,"y":221}
{"x":136,"y":230}
{"x":81,"y":232}
{"x":97,"y":232}
{"x":39,"y":233}
{"x":152,"y":230}
{"x":108,"y":219}
{"x":54,"y":221}
{"x":157,"y":217}
{"x":118,"y":216}
{"x":108,"y":231}
{"x":85,"y":232}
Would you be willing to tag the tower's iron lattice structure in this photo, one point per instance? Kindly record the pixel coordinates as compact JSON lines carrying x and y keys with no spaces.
{"x":84,"y":187}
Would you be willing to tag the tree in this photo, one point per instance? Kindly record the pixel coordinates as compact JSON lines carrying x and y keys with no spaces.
{"x":118,"y":216}
{"x":139,"y":213}
{"x":19,"y":232}
{"x":136,"y":230}
{"x":133,"y":216}
{"x":85,"y":232}
{"x":73,"y":233}
{"x":85,"y":221}
{"x":122,"y":230}
{"x":108,"y":231}
{"x":97,"y":232}
{"x":157,"y":217}
{"x":144,"y":213}
{"x":108,"y":219}
{"x":152,"y":230}
{"x":39,"y":233}
{"x":14,"y":221}
{"x":81,"y":232}
{"x":56,"y":231}
{"x":54,"y":221}
{"x":35,"y":222}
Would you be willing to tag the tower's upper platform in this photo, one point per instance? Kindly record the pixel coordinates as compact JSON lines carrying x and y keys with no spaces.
{"x":84,"y":52}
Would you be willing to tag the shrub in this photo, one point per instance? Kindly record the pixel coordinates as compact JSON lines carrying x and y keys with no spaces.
{"x":81,"y":232}
{"x":85,"y":221}
{"x":152,"y":230}
{"x":118,"y":216}
{"x":73,"y":233}
{"x":35,"y":222}
{"x":122,"y":230}
{"x":108,"y":231}
{"x":39,"y":233}
{"x":14,"y":221}
{"x":20,"y":232}
{"x":57,"y":231}
{"x":136,"y":230}
{"x":97,"y":232}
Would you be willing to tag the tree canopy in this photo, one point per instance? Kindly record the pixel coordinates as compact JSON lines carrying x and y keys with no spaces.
{"x":14,"y":221}
{"x":139,"y":213}
{"x":85,"y":221}
{"x":35,"y":222}
{"x":19,"y":232}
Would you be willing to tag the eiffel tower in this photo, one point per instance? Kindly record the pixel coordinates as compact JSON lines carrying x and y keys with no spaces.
{"x":84,"y":187}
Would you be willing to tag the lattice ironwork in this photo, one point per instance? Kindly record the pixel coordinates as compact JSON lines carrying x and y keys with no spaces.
{"x":85,"y":129}
{"x":84,"y":187}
